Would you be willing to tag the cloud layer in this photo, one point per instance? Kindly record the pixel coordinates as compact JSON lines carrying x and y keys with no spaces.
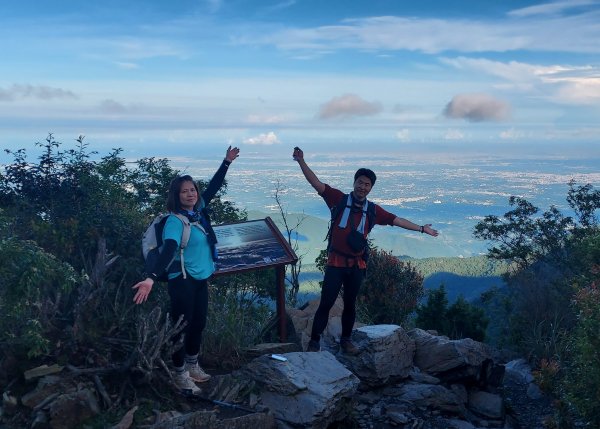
{"x":40,"y":92}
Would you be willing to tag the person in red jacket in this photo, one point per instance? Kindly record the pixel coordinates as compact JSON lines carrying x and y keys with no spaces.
{"x":346,"y":265}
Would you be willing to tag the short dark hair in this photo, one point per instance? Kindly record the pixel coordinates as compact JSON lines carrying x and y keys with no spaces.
{"x":173,"y":202}
{"x":367,"y":173}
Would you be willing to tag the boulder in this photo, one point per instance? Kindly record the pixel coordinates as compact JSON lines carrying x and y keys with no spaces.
{"x":519,"y":371}
{"x":432,"y":396}
{"x":486,"y":404}
{"x":302,"y":320}
{"x":451,"y":360}
{"x":210,"y":420}
{"x":386,"y":352}
{"x":71,"y":409}
{"x":308,"y":390}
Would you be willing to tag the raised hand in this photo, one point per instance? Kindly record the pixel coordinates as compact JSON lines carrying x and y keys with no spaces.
{"x":232,"y":154}
{"x":298,"y":154}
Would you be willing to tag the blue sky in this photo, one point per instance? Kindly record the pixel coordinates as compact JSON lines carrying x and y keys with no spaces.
{"x":266,"y":76}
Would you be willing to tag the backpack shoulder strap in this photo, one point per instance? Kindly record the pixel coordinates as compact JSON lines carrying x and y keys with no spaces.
{"x":335,"y":212}
{"x":187,"y":229}
{"x":185,"y":237}
{"x":370,"y":216}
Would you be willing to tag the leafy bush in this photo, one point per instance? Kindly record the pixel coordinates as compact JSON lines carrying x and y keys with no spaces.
{"x":391,"y":290}
{"x":460,"y":320}
{"x":582,"y":379}
{"x":90,"y":212}
{"x":34,"y":286}
{"x":544,"y":249}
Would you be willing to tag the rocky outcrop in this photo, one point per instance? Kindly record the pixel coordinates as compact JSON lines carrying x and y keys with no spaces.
{"x":398,"y":379}
{"x":309,"y":390}
{"x":386,"y":354}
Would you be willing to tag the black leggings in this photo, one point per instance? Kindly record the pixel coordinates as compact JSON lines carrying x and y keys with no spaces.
{"x":334,"y":278}
{"x":190,"y":298}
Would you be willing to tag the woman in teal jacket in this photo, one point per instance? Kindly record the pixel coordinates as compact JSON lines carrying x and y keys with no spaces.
{"x":188,"y":290}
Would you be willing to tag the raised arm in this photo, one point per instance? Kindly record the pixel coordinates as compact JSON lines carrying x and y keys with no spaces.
{"x":406,"y":224}
{"x":312,"y":178}
{"x":217,"y":181}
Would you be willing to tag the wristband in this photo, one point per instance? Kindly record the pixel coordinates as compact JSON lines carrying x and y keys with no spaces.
{"x":227,"y":163}
{"x":422,"y":229}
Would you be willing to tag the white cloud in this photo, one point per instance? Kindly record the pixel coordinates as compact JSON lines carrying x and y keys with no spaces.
{"x":40,"y":92}
{"x":348,"y":105}
{"x":559,"y":83}
{"x":454,"y":134}
{"x":477,"y":108}
{"x":403,"y":135}
{"x":127,"y":66}
{"x":263,"y":139}
{"x":431,"y":35}
{"x":511,"y":134}
{"x":550,"y":8}
{"x":264,"y":119}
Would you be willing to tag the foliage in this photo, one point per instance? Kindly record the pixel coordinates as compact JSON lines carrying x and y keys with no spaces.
{"x":557,"y":260}
{"x":67,"y":201}
{"x":71,"y":211}
{"x":430,"y":315}
{"x":475,"y":266}
{"x":543,"y":247}
{"x":390,"y":291}
{"x":33,"y":290}
{"x":460,"y":320}
{"x":582,"y":380}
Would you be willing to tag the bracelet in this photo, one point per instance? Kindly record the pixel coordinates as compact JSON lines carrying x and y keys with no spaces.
{"x":422,"y":229}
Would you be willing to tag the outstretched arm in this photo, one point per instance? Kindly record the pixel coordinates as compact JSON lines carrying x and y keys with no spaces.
{"x":312,"y":178}
{"x":145,"y":286}
{"x":217,"y":181}
{"x":406,"y":224}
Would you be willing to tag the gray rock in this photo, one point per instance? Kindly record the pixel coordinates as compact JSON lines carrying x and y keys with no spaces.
{"x":439,"y":355}
{"x":486,"y":404}
{"x":519,"y":371}
{"x":386,"y":352}
{"x":534,"y":392}
{"x":309,"y":390}
{"x":70,"y":409}
{"x":430,"y":396}
{"x":459,"y":424}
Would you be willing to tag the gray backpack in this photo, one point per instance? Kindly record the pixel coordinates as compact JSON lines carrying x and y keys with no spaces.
{"x":152,"y":243}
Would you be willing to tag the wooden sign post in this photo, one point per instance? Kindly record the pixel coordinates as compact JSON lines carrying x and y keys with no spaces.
{"x":254,"y":245}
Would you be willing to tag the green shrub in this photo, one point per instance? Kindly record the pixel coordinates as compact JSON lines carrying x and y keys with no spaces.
{"x":460,"y":320}
{"x":34,"y":287}
{"x":391,"y":290}
{"x":582,"y":380}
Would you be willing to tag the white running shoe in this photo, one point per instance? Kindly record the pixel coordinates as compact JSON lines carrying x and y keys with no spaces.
{"x":185,"y":383}
{"x":196,"y":373}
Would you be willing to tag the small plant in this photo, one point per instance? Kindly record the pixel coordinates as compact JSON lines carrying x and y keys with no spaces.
{"x":548,"y":375}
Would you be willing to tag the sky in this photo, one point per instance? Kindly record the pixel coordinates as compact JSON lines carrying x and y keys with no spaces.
{"x":384,"y":75}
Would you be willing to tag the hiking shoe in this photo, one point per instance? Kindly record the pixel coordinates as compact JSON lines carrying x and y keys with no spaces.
{"x":196,"y":373}
{"x":313,"y":346}
{"x":184,"y":383}
{"x":348,"y":347}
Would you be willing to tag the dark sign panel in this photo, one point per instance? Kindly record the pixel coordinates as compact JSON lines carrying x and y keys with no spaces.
{"x":250,"y":245}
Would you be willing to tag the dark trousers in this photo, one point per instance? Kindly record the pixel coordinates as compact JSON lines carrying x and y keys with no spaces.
{"x":335,"y":277}
{"x":190,"y":298}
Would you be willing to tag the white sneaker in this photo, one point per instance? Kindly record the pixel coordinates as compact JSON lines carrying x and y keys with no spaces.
{"x":196,"y":373}
{"x":185,"y":383}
